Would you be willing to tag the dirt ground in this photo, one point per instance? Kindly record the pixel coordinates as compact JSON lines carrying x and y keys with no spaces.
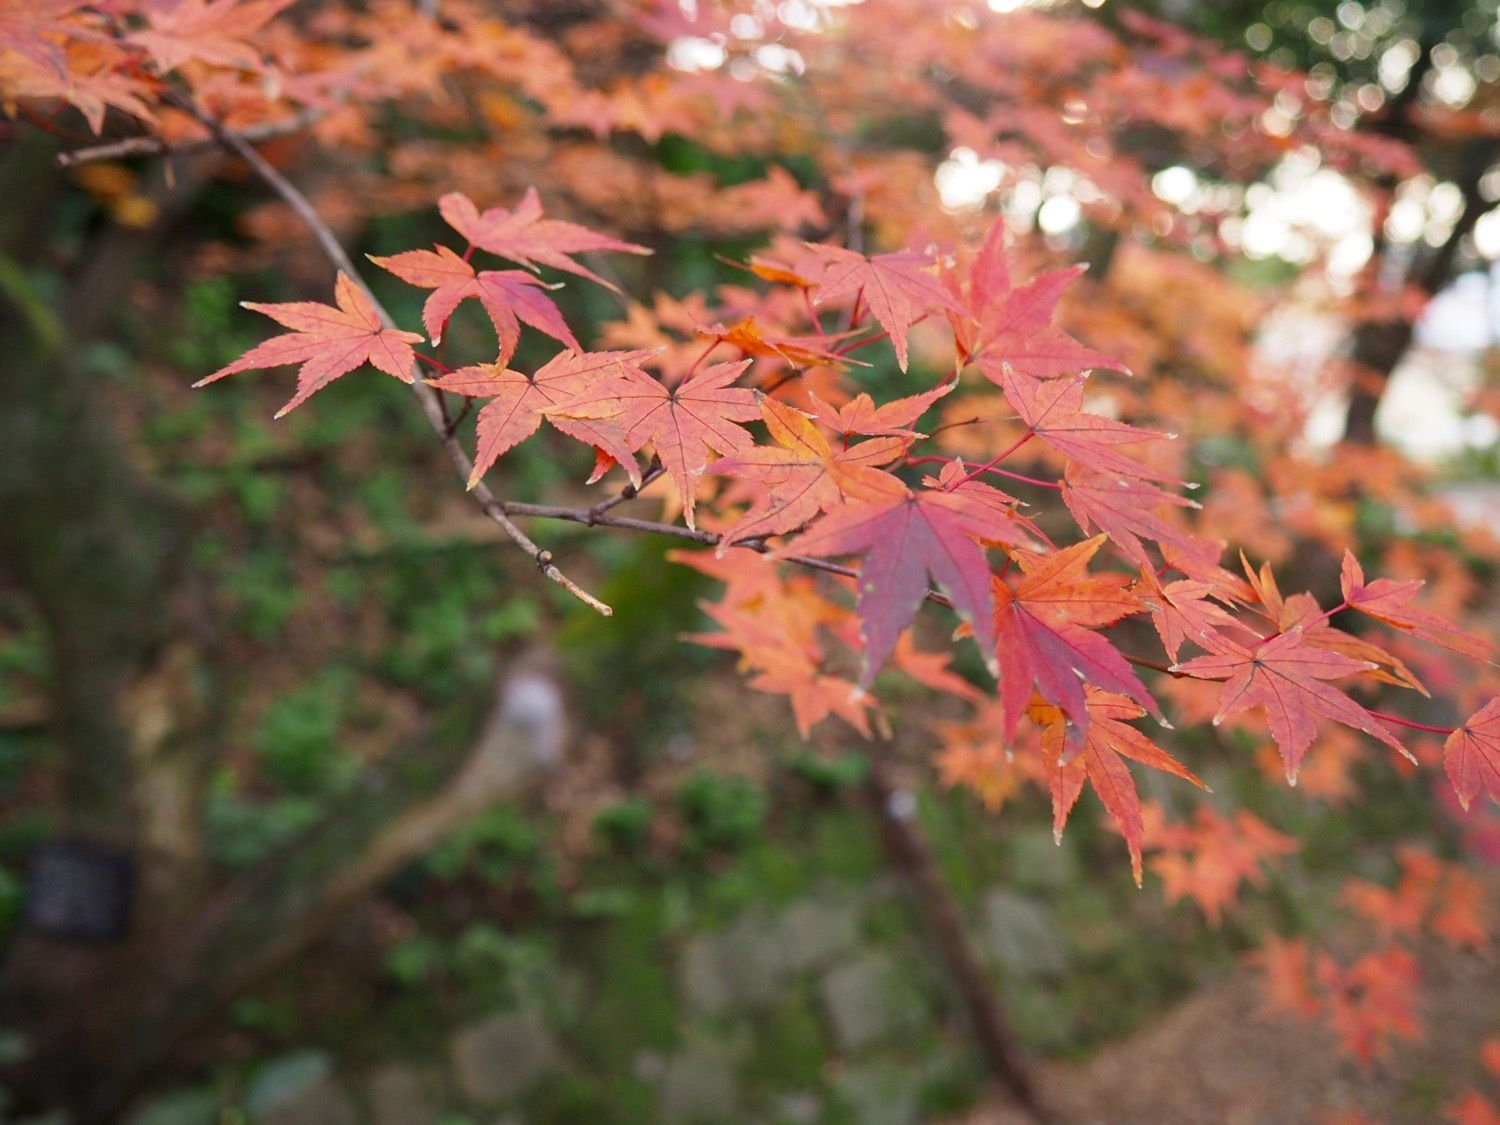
{"x":1216,"y":1059}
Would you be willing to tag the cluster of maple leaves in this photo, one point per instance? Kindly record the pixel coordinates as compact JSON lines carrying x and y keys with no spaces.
{"x":841,"y":482}
{"x":1006,"y":488}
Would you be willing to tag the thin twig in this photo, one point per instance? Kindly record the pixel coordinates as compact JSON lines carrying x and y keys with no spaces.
{"x":150,"y":146}
{"x":429,"y":399}
{"x":629,"y":492}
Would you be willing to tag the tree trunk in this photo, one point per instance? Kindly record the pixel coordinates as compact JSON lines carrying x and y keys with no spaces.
{"x":100,"y":551}
{"x":909,"y":850}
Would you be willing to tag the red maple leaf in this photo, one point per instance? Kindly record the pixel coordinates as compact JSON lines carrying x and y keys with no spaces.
{"x":803,"y":473}
{"x":1044,"y":634}
{"x":1471,"y":755}
{"x":1301,"y":611}
{"x":1125,"y":509}
{"x":907,"y":537}
{"x":1181,"y":611}
{"x":1099,"y":759}
{"x":897,"y":288}
{"x":1388,"y":601}
{"x":505,"y":295}
{"x":524,"y":236}
{"x":520,"y":401}
{"x":684,"y":422}
{"x":327,"y":342}
{"x":1288,"y":678}
{"x":1053,"y":411}
{"x":1009,"y":325}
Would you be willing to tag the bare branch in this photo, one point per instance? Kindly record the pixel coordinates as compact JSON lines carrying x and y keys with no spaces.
{"x":150,"y":146}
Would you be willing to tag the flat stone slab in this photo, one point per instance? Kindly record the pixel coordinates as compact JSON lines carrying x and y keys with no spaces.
{"x":698,"y":1085}
{"x":323,"y":1103}
{"x":1022,"y":935}
{"x":498,"y":1057}
{"x":811,"y":932}
{"x":740,"y":965}
{"x":181,"y":1107}
{"x":404,"y":1095}
{"x":866,"y":1001}
{"x":299,"y":1089}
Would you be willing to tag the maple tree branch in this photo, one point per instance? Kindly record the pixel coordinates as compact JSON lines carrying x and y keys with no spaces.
{"x":1397,"y":720}
{"x":1022,"y":477}
{"x":629,"y":492}
{"x":151,"y":146}
{"x":990,"y":465}
{"x":429,"y":399}
{"x":1154,"y":665}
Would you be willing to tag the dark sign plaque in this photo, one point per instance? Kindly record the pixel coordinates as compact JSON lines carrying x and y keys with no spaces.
{"x":77,"y":889}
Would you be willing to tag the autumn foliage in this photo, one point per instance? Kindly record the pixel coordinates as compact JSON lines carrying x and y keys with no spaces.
{"x":1018,"y":529}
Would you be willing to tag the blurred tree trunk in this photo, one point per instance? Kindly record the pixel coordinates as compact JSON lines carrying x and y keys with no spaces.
{"x":102,"y":553}
{"x":1380,"y":345}
{"x":99,"y":550}
{"x":910,"y":852}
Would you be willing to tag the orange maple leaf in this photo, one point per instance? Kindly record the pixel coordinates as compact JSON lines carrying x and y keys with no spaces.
{"x":803,"y":474}
{"x":1107,"y":740}
{"x":327,"y":342}
{"x":505,"y":294}
{"x":562,"y":391}
{"x":897,"y":288}
{"x":524,"y":236}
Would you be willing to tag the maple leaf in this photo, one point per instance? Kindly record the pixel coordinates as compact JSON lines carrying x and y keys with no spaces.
{"x":907,"y":537}
{"x":1370,"y":1003}
{"x":1471,"y":755}
{"x":1125,"y":509}
{"x":861,"y":416}
{"x":1288,"y":975}
{"x":327,"y":342}
{"x":1053,"y":411}
{"x":815,"y":696}
{"x":1471,"y":1108}
{"x":897,"y":288}
{"x":1287,"y":678}
{"x":1044,"y":634}
{"x":975,"y":755}
{"x":1107,"y":740}
{"x":1010,"y":325}
{"x":1301,"y":611}
{"x":505,"y":294}
{"x":89,"y":78}
{"x":684,"y":422}
{"x":1388,"y":601}
{"x":931,"y":669}
{"x":798,"y":351}
{"x":32,"y":28}
{"x":1431,"y":894}
{"x":212,"y":31}
{"x":1181,"y":611}
{"x":803,"y":473}
{"x":568,"y":381}
{"x":1209,"y":859}
{"x":524,"y":236}
{"x":773,"y":626}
